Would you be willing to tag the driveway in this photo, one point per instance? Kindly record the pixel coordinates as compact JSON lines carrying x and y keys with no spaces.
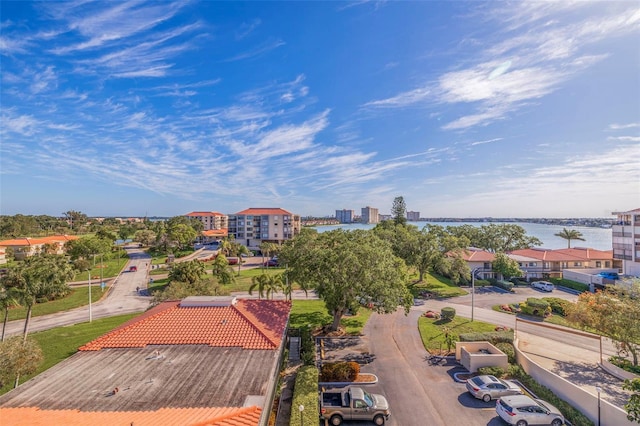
{"x":122,"y":298}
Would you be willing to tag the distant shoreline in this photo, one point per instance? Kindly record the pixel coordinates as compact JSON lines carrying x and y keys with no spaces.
{"x":586,"y":222}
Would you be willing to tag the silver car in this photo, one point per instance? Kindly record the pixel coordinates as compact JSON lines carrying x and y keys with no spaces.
{"x":521,"y":410}
{"x":487,"y":388}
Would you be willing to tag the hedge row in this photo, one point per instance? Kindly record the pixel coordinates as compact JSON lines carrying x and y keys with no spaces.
{"x":558,"y":306}
{"x":305,"y":393}
{"x":339,"y":371}
{"x":570,"y":284}
{"x":492,"y":337}
{"x":570,"y":413}
{"x":307,"y":346}
{"x":536,"y":307}
{"x":505,"y":285}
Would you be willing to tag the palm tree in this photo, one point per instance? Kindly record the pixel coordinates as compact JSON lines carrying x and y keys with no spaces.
{"x":222,"y":271}
{"x":41,"y":276}
{"x":261,"y":283}
{"x":274,"y":283}
{"x":9,"y":296}
{"x":570,"y":234}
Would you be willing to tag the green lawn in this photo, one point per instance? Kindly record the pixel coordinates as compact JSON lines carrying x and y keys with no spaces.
{"x":432,"y":330}
{"x":79,"y":296}
{"x":60,"y":343}
{"x":313,"y":313}
{"x":108,"y":268}
{"x":437,"y":285}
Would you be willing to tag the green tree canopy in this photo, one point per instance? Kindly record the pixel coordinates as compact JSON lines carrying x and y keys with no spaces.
{"x":18,"y":357}
{"x":221,"y":269}
{"x":496,"y":237}
{"x":570,"y":234}
{"x":615,"y":313}
{"x":187,"y":272}
{"x":399,"y":211}
{"x":39,"y":276}
{"x":506,"y":266}
{"x":346,"y":269}
{"x":633,"y":405}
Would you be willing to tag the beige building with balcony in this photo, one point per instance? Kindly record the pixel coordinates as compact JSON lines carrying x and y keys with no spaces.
{"x":25,"y":247}
{"x":626,"y":241}
{"x":210,"y":220}
{"x":253,"y":226}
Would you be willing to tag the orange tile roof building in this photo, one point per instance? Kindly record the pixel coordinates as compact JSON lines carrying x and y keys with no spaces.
{"x":253,"y":226}
{"x":541,"y":263}
{"x":200,"y":361}
{"x":25,"y":247}
{"x":210,"y":220}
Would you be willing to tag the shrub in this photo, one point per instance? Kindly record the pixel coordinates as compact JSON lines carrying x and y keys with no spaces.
{"x":558,"y":306}
{"x":307,"y":347}
{"x":42,"y":300}
{"x":305,"y":392}
{"x":535,"y":306}
{"x":571,"y":414}
{"x":508,"y":350}
{"x":481,"y":283}
{"x":570,"y":284}
{"x":505,"y":285}
{"x":492,"y":281}
{"x":339,"y":372}
{"x":492,"y":337}
{"x":491,"y":371}
{"x":447,"y":313}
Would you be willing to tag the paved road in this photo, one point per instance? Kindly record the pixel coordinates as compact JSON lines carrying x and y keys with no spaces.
{"x":122,"y":298}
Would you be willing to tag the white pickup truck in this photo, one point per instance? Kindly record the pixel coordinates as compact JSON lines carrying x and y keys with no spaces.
{"x":353,"y":403}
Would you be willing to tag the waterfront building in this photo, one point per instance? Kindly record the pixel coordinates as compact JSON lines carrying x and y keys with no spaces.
{"x":345,"y":216}
{"x":369,"y":215}
{"x":413,"y":216}
{"x":626,"y":241}
{"x":254,"y":226}
{"x":210,"y":220}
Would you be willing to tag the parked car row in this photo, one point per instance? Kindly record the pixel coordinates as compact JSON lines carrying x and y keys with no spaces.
{"x":512,"y":405}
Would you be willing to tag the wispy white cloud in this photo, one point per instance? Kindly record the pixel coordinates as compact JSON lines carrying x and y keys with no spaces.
{"x":260,"y":50}
{"x":541,"y":58}
{"x":487,"y":141}
{"x":623,"y":126}
{"x":247,"y":28}
{"x":624,"y":138}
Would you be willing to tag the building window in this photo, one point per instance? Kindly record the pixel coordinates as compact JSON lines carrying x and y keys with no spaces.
{"x":275,"y":235}
{"x":598,"y":264}
{"x":607,"y":264}
{"x":577,"y":263}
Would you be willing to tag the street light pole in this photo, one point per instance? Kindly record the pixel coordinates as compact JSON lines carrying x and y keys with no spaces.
{"x":473,"y":289}
{"x":90,"y":312}
{"x":301,"y":408}
{"x":598,"y":389}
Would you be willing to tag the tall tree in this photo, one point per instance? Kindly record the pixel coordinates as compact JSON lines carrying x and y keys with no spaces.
{"x":497,"y":237}
{"x":222,"y":271}
{"x":506,"y":266}
{"x":615,"y":313}
{"x":9,"y":296}
{"x":399,"y":211}
{"x":39,"y":276}
{"x":570,"y":234}
{"x":187,"y":272}
{"x":18,"y":357}
{"x":346,"y":268}
{"x":260,"y":283}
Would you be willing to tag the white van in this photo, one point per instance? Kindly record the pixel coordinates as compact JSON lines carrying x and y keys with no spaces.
{"x":542,"y":285}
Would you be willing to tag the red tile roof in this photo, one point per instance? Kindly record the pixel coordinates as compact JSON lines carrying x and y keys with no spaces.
{"x":476,"y":255}
{"x":36,"y":241}
{"x":225,"y":416}
{"x":256,"y":211}
{"x":215,"y":233}
{"x":250,"y":324}
{"x":198,"y":214}
{"x":565,"y":255}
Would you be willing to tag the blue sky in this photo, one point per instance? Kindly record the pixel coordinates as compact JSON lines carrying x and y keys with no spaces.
{"x":467,"y":109}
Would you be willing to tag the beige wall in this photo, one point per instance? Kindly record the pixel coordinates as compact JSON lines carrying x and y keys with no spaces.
{"x":470,"y":356}
{"x":582,"y":400}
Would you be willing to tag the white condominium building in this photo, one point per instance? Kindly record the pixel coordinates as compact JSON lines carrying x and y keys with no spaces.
{"x":254,"y":226}
{"x":626,"y":241}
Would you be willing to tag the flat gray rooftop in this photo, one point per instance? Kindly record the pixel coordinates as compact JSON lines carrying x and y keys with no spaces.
{"x":149,"y":378}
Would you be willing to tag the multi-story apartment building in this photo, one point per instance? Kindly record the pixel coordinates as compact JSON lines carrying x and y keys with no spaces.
{"x":25,"y":247}
{"x":210,"y":220}
{"x":369,"y":215}
{"x":413,"y":216}
{"x":345,"y":216}
{"x":254,"y":226}
{"x":626,"y":241}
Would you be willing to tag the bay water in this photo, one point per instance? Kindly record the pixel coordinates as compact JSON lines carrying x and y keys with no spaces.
{"x":595,"y":238}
